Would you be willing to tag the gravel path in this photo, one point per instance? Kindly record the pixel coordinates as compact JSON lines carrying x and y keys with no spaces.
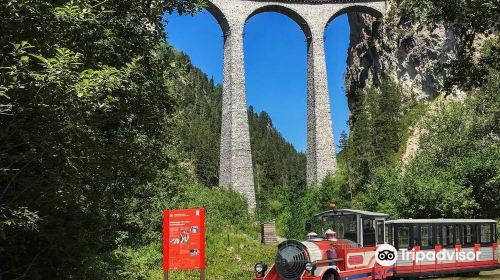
{"x":484,"y":275}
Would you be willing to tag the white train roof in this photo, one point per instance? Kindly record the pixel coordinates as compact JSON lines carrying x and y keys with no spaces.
{"x":441,"y":221}
{"x":339,"y":212}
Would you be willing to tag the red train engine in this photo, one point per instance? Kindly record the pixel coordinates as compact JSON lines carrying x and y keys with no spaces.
{"x":354,"y":241}
{"x":347,"y":253}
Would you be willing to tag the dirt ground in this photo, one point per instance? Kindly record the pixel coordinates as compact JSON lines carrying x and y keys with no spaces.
{"x":484,"y":275}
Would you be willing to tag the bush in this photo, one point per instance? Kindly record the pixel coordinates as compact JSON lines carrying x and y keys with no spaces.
{"x":456,"y":172}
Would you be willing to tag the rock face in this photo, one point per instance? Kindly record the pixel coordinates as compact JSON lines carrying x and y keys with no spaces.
{"x":404,"y":51}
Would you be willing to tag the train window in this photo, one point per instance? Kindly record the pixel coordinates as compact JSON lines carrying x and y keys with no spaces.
{"x":439,"y":235}
{"x":350,"y":227}
{"x":380,"y":232}
{"x":495,"y":233}
{"x":403,"y":237}
{"x":426,"y":236}
{"x":387,"y":235}
{"x":368,"y":232}
{"x":393,"y":235}
{"x":486,"y":233}
{"x":340,"y":231}
{"x":467,"y":233}
{"x":448,"y":236}
{"x":444,"y":240}
{"x":451,"y":236}
{"x":458,"y":237}
{"x":416,"y":236}
{"x":478,"y":233}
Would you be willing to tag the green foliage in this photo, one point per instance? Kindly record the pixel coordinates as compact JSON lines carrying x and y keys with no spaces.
{"x":308,"y":202}
{"x":375,"y":135}
{"x":277,"y":163}
{"x":83,"y":147}
{"x":279,"y":171}
{"x":408,"y":121}
{"x":475,"y":15}
{"x":89,"y":157}
{"x":232,"y":246}
{"x":199,"y":119}
{"x":231,"y":255}
{"x":103,"y":126}
{"x":455,"y":173}
{"x":464,"y":141}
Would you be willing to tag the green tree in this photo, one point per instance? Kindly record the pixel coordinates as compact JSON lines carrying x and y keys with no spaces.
{"x":456,"y":171}
{"x":375,"y":135}
{"x":88,"y":154}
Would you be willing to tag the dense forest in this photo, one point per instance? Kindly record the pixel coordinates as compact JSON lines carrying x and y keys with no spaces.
{"x":103,"y":125}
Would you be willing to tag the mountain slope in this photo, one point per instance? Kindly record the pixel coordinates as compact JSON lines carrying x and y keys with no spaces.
{"x":444,"y":61}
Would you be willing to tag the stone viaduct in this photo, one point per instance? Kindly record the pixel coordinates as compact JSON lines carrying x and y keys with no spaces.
{"x":313,"y":16}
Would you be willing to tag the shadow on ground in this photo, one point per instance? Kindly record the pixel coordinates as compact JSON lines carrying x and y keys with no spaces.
{"x":484,"y":275}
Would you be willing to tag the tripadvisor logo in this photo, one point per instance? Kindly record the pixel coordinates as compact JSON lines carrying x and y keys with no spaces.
{"x":386,"y":255}
{"x":443,"y":255}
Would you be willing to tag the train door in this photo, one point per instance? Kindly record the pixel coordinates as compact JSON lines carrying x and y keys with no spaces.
{"x":426,"y":247}
{"x":449,"y":243}
{"x":403,"y":238}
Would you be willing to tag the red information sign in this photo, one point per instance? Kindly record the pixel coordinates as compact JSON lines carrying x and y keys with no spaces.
{"x":184,"y":239}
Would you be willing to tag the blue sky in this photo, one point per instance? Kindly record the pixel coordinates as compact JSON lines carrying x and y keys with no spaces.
{"x":275,"y":65}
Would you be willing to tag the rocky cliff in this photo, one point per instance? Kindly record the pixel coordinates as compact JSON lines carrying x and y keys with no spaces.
{"x":404,"y":51}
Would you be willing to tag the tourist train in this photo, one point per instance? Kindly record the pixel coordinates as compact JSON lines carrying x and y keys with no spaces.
{"x":362,"y":245}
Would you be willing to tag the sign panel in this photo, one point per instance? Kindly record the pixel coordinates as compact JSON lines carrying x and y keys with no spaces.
{"x":184,"y":239}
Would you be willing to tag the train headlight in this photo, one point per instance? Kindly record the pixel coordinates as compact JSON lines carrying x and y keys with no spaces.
{"x":310,"y":267}
{"x":260,"y":268}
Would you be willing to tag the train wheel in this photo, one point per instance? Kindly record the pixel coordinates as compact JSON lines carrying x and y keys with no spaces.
{"x":329,"y":276}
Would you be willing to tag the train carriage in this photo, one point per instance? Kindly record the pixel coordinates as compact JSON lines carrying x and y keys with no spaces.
{"x":350,"y":245}
{"x":467,"y":246}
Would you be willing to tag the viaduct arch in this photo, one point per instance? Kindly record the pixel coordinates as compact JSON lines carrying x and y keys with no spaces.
{"x":313,"y":16}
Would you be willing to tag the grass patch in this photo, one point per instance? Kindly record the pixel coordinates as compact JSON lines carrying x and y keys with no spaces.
{"x":230,"y":255}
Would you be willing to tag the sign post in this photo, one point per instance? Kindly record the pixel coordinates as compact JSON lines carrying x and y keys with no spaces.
{"x":202,"y":274}
{"x":184,"y":240}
